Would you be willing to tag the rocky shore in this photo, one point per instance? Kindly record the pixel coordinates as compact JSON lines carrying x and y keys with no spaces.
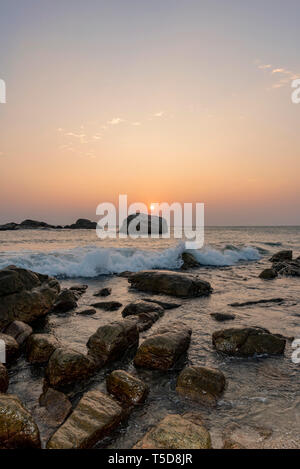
{"x":27,"y":297}
{"x":80,"y":224}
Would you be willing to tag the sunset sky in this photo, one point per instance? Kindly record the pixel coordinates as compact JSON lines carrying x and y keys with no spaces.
{"x":163,"y":100}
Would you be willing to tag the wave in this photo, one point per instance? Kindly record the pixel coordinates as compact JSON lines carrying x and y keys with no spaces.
{"x":91,"y":261}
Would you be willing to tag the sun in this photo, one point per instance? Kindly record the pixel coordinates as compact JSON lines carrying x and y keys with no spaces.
{"x":152,"y":207}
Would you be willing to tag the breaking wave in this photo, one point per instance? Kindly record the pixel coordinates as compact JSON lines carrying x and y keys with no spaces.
{"x":91,"y":261}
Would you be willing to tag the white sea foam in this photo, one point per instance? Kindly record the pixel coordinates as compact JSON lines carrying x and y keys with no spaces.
{"x":91,"y":261}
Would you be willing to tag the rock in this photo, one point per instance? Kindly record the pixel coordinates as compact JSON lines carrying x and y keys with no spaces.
{"x":163,"y":304}
{"x":86,"y":311}
{"x":67,"y":366}
{"x":170,"y":283}
{"x":146,"y":320}
{"x":82,"y":224}
{"x":189,"y":262}
{"x":66,"y":301}
{"x":162,"y":349}
{"x":40,"y":347}
{"x":112,"y":340}
{"x":103,"y":292}
{"x":57,"y":405}
{"x":222,"y":316}
{"x":12,"y":349}
{"x":4,"y":380}
{"x":108,"y":305}
{"x":95,"y":416}
{"x":230,"y":444}
{"x":81,"y":289}
{"x":17,"y":427}
{"x":138,"y":307}
{"x":25,"y":295}
{"x":19,"y":331}
{"x":141,"y":223}
{"x":257,"y":302}
{"x":34,"y":224}
{"x":176,"y":432}
{"x":126,"y":388}
{"x":268,"y":274}
{"x":125,"y":274}
{"x":202,"y":384}
{"x":288,"y":268}
{"x":9,"y":226}
{"x":245,"y":342}
{"x":282,"y":256}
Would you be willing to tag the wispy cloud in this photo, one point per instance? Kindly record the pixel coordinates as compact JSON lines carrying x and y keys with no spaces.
{"x":159,"y":114}
{"x":115,"y":121}
{"x":136,"y":123}
{"x":283,"y":76}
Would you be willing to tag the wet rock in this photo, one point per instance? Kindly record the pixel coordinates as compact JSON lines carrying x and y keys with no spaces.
{"x":223,"y":316}
{"x":268,"y":274}
{"x":19,"y":331}
{"x":66,"y":301}
{"x":242,"y":436}
{"x":282,"y":256}
{"x":12,"y":349}
{"x":17,"y":427}
{"x":108,"y":305}
{"x":112,"y":340}
{"x":67,"y":366}
{"x":189,"y":262}
{"x":57,"y":404}
{"x":125,"y":274}
{"x":230,"y":444}
{"x":141,"y":223}
{"x":176,"y":432}
{"x":248,"y":341}
{"x":257,"y":302}
{"x":288,"y":268}
{"x":138,"y":307}
{"x":126,"y":388}
{"x":162,"y":349}
{"x":146,"y":320}
{"x":81,"y":289}
{"x":201,"y":384}
{"x":170,"y":283}
{"x":95,"y":416}
{"x":40,"y":347}
{"x":4,"y":380}
{"x":163,"y":304}
{"x":86,"y":311}
{"x":103,"y":292}
{"x":25,"y":295}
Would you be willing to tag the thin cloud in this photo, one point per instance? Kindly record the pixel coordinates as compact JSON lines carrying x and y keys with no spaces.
{"x":283,"y":75}
{"x":115,"y":121}
{"x":159,"y":114}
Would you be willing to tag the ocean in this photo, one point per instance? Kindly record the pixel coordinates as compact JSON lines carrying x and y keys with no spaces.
{"x":262,"y":393}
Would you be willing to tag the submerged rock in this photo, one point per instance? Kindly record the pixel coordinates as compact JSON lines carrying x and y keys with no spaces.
{"x":176,"y":432}
{"x":138,"y":307}
{"x":66,"y":301}
{"x":108,"y":305}
{"x":248,"y":341}
{"x":103,"y":292}
{"x":86,"y":311}
{"x":17,"y":427}
{"x":12,"y":349}
{"x":223,"y":316}
{"x":268,"y":274}
{"x":19,"y":331}
{"x":80,"y":289}
{"x":162,"y":349}
{"x":112,"y":340}
{"x":25,"y":295}
{"x":282,"y":256}
{"x":4,"y":380}
{"x":202,"y":384}
{"x":40,"y":347}
{"x":146,"y":320}
{"x":163,"y":304}
{"x":94,"y":417}
{"x":170,"y":283}
{"x":126,"y":388}
{"x":189,"y":262}
{"x":57,"y":405}
{"x":257,"y":302}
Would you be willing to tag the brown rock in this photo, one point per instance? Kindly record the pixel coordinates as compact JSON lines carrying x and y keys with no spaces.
{"x":103,"y":292}
{"x":163,"y":304}
{"x":57,"y":405}
{"x":147,"y":313}
{"x":17,"y":427}
{"x":66,"y":301}
{"x":40,"y":347}
{"x":19,"y":331}
{"x":202,"y":384}
{"x":95,"y":416}
{"x":108,"y":305}
{"x":86,"y":311}
{"x":189,"y":262}
{"x":222,"y":316}
{"x":126,"y":388}
{"x":12,"y":349}
{"x":3,"y":379}
{"x":282,"y":256}
{"x":268,"y":274}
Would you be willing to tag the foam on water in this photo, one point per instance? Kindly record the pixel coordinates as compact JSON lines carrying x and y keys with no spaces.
{"x":91,"y":261}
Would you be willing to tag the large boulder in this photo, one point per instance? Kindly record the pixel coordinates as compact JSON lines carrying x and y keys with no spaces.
{"x":40,"y":347}
{"x":176,"y":432}
{"x":19,"y":331}
{"x":12,"y":349}
{"x":67,"y":366}
{"x":170,"y":283}
{"x":268,"y":274}
{"x":282,"y":256}
{"x":9,"y":226}
{"x":146,"y":313}
{"x":126,"y":388}
{"x":201,"y":383}
{"x":248,"y":341}
{"x":25,"y":295}
{"x":95,"y":416}
{"x":66,"y":301}
{"x":83,"y":224}
{"x":4,"y":380}
{"x":57,"y":405}
{"x":144,"y":224}
{"x":162,"y":349}
{"x":189,"y":262}
{"x":111,"y":341}
{"x":17,"y":427}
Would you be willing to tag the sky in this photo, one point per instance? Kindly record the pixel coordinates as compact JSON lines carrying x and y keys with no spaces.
{"x":165,"y":101}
